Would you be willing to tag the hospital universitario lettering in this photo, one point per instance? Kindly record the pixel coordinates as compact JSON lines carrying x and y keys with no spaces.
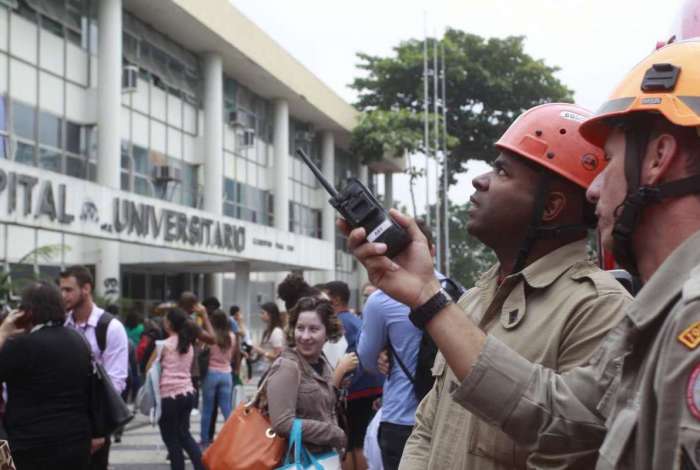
{"x":38,"y":198}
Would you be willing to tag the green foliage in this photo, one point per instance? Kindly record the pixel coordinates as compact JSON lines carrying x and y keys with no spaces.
{"x":469,"y":258}
{"x":45,"y":253}
{"x":380,"y":132}
{"x":489,"y":83}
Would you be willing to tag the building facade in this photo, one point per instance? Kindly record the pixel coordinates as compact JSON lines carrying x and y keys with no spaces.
{"x":154,"y":142}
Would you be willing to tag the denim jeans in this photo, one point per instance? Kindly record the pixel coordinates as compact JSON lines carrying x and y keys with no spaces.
{"x":175,"y":430}
{"x":392,"y":439}
{"x":217,"y":386}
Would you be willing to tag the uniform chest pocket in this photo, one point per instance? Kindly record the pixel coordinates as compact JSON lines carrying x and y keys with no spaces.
{"x":618,"y":437}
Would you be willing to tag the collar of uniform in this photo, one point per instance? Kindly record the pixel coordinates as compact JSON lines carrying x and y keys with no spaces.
{"x":92,"y":319}
{"x":548,"y":268}
{"x":666,"y":283}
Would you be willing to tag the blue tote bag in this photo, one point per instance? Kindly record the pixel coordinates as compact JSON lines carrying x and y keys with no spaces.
{"x":303,"y":459}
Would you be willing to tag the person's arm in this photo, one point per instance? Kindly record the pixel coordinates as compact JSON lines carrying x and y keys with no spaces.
{"x":585,"y":329}
{"x":277,"y":342}
{"x":282,"y":392}
{"x":11,"y":356}
{"x":538,"y":408}
{"x":115,"y":358}
{"x":346,"y":364}
{"x":373,"y":334}
{"x":206,"y":333}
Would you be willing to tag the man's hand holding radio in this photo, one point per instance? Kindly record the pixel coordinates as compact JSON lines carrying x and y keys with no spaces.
{"x":410,"y":276}
{"x":410,"y":279}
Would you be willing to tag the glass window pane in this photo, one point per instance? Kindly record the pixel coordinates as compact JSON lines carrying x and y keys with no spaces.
{"x":125,"y":181}
{"x":92,"y":171}
{"x":3,"y":114}
{"x":74,"y":138}
{"x":52,"y":26}
{"x":24,"y":153}
{"x":23,"y":120}
{"x":142,"y":186}
{"x":157,"y":287}
{"x":141,"y":163}
{"x":75,"y":167}
{"x":50,"y":159}
{"x":50,"y":130}
{"x":4,"y":147}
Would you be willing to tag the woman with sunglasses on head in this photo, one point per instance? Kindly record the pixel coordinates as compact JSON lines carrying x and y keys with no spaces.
{"x":302,"y":384}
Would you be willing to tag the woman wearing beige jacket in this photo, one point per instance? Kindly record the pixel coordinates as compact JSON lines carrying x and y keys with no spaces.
{"x":302,"y":384}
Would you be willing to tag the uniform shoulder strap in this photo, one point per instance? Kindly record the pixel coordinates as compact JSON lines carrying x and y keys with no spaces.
{"x":101,"y":330}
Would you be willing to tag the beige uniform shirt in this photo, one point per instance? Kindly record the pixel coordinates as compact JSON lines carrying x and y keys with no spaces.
{"x":554,"y":313}
{"x":637,"y":401}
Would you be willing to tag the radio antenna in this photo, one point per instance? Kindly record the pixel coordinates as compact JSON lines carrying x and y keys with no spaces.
{"x":326,"y":184}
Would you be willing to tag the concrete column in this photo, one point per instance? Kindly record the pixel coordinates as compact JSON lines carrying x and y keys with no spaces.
{"x":328,"y":168}
{"x":213,"y":71}
{"x":281,"y":152}
{"x":107,"y":274}
{"x":109,"y":95}
{"x":212,"y":67}
{"x":214,"y":286}
{"x":388,"y":190}
{"x":364,"y":174}
{"x":241,"y":289}
{"x":361,"y":272}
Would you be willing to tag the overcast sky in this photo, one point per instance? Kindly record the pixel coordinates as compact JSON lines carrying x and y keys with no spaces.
{"x":594,"y":42}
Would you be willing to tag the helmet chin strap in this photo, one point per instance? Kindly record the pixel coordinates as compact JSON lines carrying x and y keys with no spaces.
{"x":629,"y":212}
{"x":536,"y":231}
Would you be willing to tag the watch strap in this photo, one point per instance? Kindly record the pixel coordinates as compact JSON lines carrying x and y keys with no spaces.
{"x":420,"y":316}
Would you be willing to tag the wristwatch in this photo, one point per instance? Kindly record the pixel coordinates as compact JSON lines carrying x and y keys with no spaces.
{"x":420,"y":316}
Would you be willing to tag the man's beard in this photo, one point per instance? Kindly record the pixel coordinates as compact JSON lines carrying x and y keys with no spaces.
{"x":78,"y":303}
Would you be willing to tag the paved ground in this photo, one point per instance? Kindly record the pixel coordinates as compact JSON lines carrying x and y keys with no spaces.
{"x":142,"y":447}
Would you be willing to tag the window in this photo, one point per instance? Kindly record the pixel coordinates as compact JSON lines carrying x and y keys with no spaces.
{"x":65,"y":18}
{"x":50,"y":129}
{"x":23,"y":118}
{"x":245,"y":202}
{"x":305,"y":220}
{"x":24,"y":153}
{"x":50,"y":160}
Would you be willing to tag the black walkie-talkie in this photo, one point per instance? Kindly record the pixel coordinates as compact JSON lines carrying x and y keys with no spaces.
{"x":360,"y":208}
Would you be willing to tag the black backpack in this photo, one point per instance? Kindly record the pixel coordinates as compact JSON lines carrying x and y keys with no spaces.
{"x":423,"y":380}
{"x":101,"y":330}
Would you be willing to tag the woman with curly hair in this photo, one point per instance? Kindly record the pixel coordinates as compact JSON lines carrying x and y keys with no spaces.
{"x":302,"y":384}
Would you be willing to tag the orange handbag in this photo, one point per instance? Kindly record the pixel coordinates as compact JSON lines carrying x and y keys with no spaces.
{"x":246,"y":441}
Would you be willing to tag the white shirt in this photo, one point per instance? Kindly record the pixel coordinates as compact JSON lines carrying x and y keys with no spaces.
{"x":115,"y":358}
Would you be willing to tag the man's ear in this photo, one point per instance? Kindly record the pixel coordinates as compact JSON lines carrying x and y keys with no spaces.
{"x":662,"y":152}
{"x":555,"y":205}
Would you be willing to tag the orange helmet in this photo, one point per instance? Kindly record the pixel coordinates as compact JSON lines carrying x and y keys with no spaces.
{"x":549,"y":135}
{"x":666,"y":82}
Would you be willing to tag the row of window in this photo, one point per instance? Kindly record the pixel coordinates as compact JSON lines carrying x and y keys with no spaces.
{"x":47,"y":141}
{"x":305,"y":220}
{"x":246,"y":202}
{"x":139,"y":175}
{"x":73,"y":20}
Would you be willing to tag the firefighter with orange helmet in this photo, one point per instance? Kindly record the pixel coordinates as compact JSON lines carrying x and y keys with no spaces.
{"x":637,"y":401}
{"x":543,"y":298}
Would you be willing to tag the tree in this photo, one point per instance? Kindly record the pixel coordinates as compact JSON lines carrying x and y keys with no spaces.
{"x":470,"y":258}
{"x":489,"y":83}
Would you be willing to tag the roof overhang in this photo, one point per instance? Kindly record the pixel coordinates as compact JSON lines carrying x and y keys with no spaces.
{"x":251,"y":57}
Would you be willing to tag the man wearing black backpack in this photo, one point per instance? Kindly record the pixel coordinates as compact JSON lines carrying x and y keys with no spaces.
{"x":105,"y":334}
{"x":385,"y":326}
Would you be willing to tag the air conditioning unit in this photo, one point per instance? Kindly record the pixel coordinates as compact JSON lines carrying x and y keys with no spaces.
{"x":130,"y":74}
{"x":304,"y":136}
{"x":166,"y":173}
{"x":236,"y":119}
{"x":248,"y":138}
